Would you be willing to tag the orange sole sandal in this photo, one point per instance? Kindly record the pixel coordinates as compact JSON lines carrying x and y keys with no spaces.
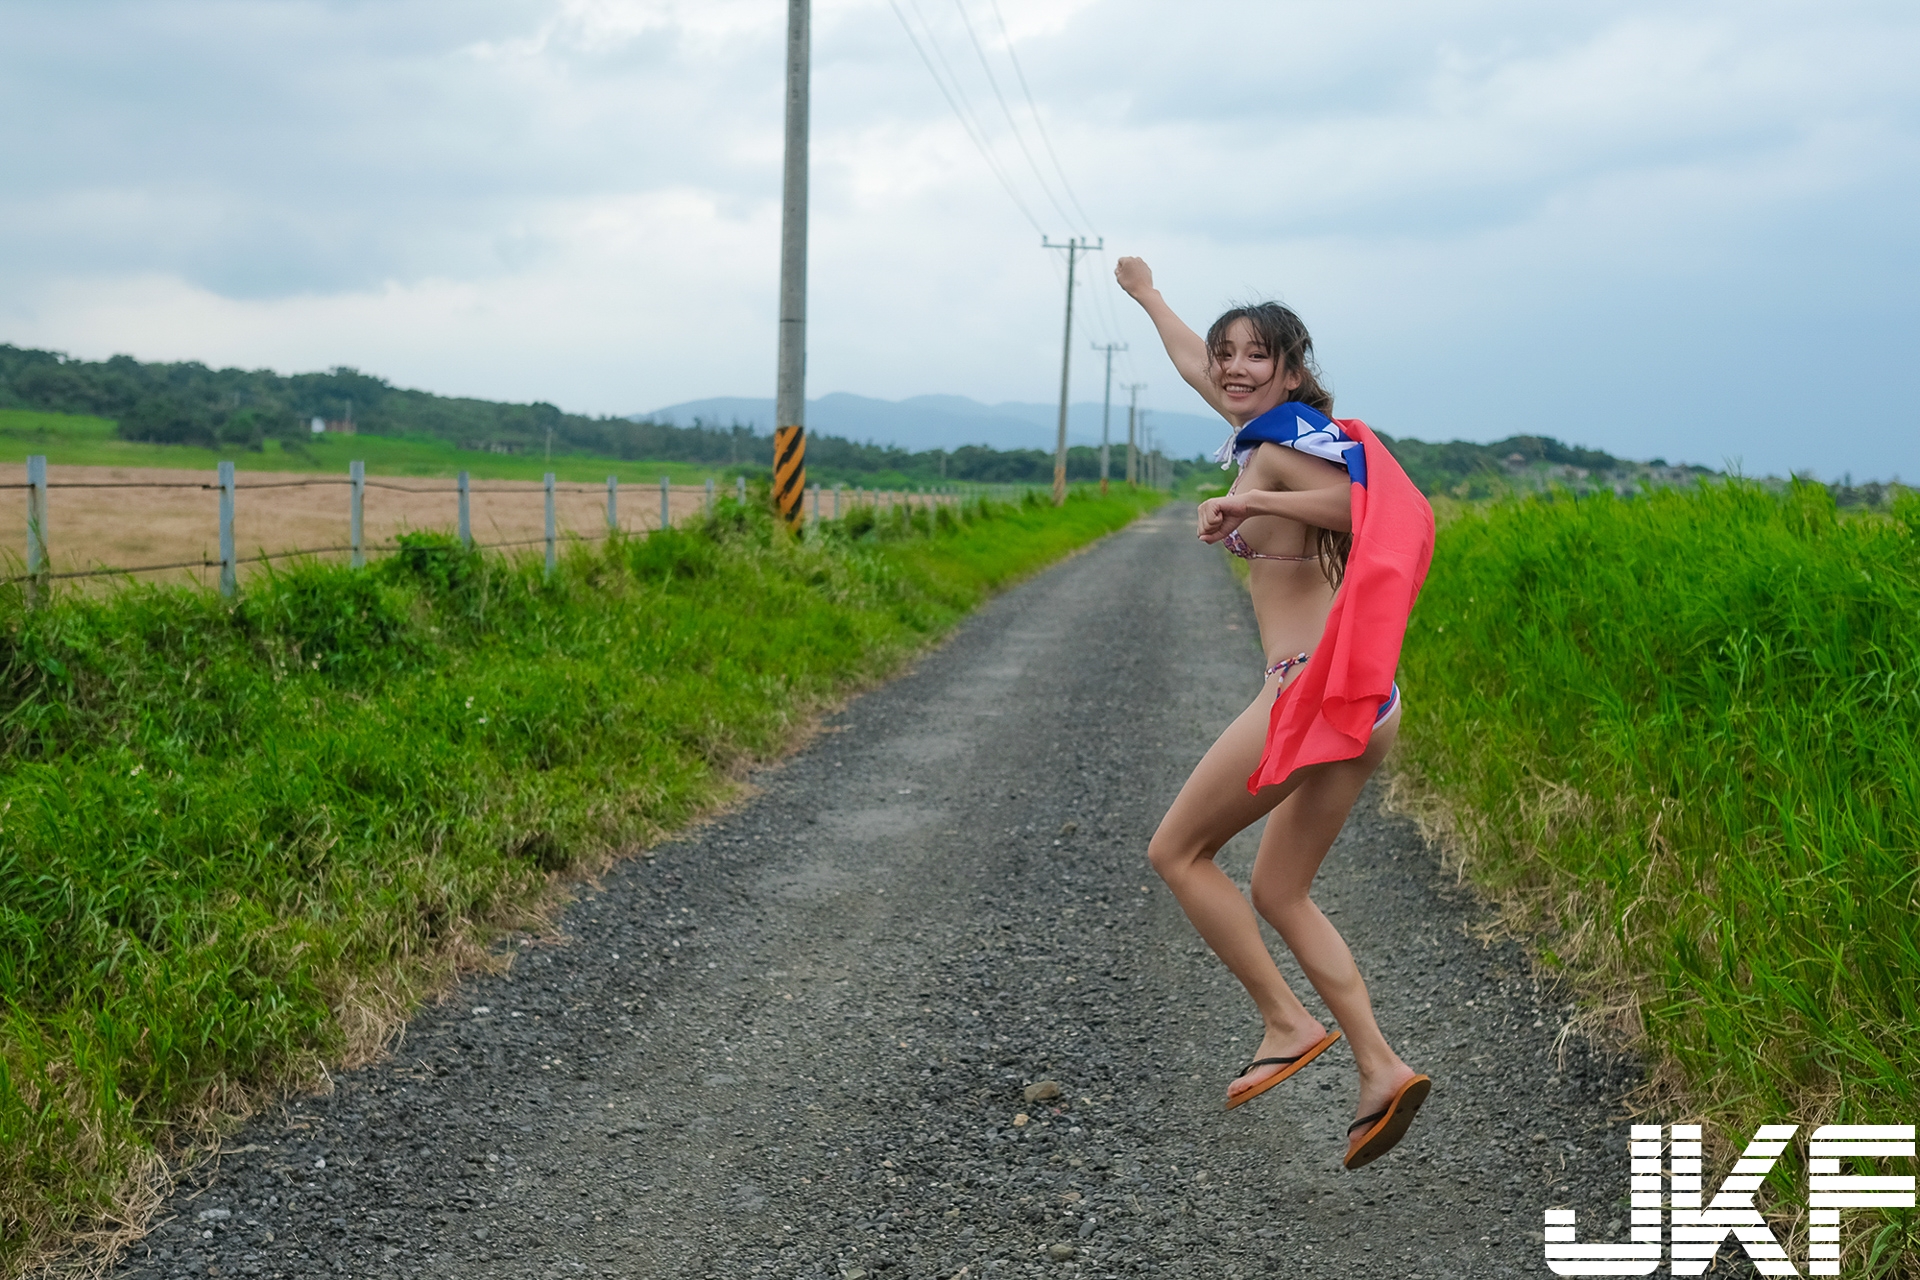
{"x":1371,"y":1137}
{"x":1288,"y":1065}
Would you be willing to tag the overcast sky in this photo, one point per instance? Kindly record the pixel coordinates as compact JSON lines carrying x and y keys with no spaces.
{"x":1677,"y":229}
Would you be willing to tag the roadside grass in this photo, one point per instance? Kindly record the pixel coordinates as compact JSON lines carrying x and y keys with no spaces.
{"x":1678,"y":736}
{"x":241,"y":840}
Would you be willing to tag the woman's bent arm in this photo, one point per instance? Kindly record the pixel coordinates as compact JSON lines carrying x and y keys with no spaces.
{"x":1324,"y":508}
{"x":1187,"y":349}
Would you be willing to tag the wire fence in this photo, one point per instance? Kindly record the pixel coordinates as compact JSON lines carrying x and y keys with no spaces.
{"x":821,"y":504}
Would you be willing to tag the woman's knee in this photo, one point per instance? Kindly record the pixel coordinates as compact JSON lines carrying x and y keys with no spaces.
{"x":1277,"y":900}
{"x":1163,"y":855}
{"x":1170,"y":854}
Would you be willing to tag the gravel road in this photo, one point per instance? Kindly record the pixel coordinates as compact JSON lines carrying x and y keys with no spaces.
{"x":799,"y":1041}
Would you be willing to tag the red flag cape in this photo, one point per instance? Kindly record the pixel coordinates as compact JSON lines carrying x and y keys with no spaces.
{"x":1327,"y":712}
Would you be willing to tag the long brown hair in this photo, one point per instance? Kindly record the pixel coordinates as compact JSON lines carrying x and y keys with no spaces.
{"x":1284,"y":334}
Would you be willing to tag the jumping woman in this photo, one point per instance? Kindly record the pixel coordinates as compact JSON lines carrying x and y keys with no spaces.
{"x":1337,"y":541}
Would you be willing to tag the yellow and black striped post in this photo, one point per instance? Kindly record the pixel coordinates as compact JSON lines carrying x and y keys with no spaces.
{"x":790,"y":388}
{"x":789,"y":473}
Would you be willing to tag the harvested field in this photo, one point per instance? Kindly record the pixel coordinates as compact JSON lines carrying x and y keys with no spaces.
{"x":279,"y":512}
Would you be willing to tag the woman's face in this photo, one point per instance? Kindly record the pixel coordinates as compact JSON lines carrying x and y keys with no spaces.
{"x":1248,"y":375}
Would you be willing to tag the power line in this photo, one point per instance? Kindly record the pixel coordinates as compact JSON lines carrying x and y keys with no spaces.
{"x":933,"y":40}
{"x":965,"y":123}
{"x":1038,"y":123}
{"x":1104,"y":300}
{"x":1106,"y":310}
{"x":1018,"y":137}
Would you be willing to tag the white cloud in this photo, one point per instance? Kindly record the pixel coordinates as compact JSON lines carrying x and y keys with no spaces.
{"x":1499,"y":216}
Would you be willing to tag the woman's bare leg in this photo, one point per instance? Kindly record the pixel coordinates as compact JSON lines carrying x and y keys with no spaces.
{"x":1302,"y":829}
{"x":1212,"y":808}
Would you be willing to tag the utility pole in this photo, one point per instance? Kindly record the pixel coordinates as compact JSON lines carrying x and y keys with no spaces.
{"x":1133,"y":410}
{"x":790,"y":396}
{"x":1106,"y":408}
{"x":1075,"y":246}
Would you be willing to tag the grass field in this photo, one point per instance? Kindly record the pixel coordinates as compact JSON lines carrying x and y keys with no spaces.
{"x":77,"y":441}
{"x":239,"y":839}
{"x":174,"y":521}
{"x":74,"y":441}
{"x":1679,"y":737}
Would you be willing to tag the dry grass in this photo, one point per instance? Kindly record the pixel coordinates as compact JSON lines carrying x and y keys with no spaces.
{"x":90,"y":528}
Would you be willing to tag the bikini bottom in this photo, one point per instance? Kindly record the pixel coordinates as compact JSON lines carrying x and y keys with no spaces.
{"x":1285,"y":665}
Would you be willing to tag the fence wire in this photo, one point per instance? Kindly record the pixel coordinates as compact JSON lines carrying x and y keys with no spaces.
{"x":207,"y":562}
{"x":532,"y":486}
{"x":526,"y":488}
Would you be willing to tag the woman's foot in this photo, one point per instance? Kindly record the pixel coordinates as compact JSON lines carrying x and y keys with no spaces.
{"x":1381,"y":1126}
{"x":1281,"y":1053}
{"x":1377,"y":1088}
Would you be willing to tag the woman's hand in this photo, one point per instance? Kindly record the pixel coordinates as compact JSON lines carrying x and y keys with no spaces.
{"x":1221,"y":516}
{"x":1186,"y":348}
{"x":1133,"y":275}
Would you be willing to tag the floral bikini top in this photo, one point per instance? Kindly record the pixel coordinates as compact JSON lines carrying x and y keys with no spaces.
{"x":1238,"y":545}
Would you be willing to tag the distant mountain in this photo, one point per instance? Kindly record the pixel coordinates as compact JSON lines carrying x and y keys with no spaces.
{"x":949,"y":422}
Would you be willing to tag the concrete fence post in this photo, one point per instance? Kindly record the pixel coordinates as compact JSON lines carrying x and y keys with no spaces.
{"x":666,"y":503}
{"x":466,"y":514}
{"x":613,"y":504}
{"x":740,"y":489}
{"x":836,"y":502}
{"x":38,"y":562}
{"x":709,"y":495}
{"x":552,"y":531}
{"x":816,"y":504}
{"x":357,"y":477}
{"x":229,"y":571}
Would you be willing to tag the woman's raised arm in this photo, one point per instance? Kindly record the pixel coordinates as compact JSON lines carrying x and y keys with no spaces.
{"x":1187,"y":349}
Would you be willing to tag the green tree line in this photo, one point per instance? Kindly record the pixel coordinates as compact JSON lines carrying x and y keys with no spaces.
{"x":190,"y":403}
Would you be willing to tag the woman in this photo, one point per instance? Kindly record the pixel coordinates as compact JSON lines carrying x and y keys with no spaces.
{"x":1292,"y":511}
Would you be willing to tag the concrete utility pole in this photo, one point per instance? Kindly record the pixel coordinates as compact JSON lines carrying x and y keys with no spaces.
{"x":790,"y":397}
{"x":1075,"y":246}
{"x":1133,"y":450}
{"x":1106,"y":408}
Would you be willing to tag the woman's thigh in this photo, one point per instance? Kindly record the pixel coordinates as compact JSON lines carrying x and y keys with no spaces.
{"x":1304,"y":826}
{"x":1215,"y":805}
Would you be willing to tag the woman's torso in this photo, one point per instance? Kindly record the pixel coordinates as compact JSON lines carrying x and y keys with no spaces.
{"x":1291,"y":596}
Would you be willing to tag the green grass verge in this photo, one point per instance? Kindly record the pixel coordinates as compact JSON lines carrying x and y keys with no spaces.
{"x":74,"y":440}
{"x":67,"y":439}
{"x":238,"y":838}
{"x":1679,"y":735}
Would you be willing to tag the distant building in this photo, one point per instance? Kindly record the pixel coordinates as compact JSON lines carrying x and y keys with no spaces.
{"x":333,"y":426}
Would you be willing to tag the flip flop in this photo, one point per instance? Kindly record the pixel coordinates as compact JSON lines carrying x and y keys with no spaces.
{"x":1288,"y":1065}
{"x":1382,"y":1130}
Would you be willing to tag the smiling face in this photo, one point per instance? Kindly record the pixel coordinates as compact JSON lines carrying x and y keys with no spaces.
{"x":1249,"y":375}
